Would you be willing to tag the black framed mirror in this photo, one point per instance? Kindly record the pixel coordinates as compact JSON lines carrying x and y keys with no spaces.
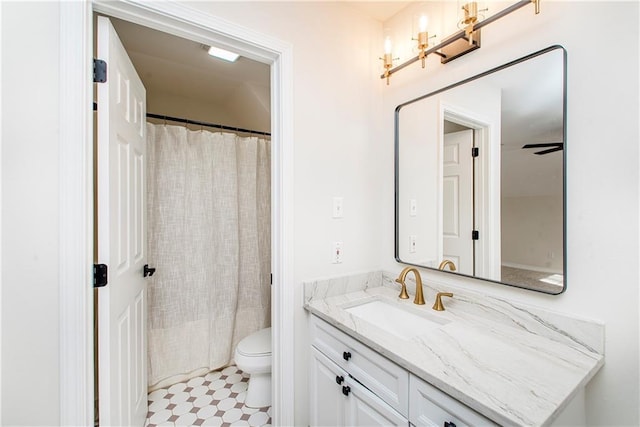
{"x":480,"y":175}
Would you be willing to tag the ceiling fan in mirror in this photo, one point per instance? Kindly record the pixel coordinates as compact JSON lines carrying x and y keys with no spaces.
{"x":550,"y":147}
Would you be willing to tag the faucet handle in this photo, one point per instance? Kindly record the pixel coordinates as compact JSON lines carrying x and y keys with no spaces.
{"x":438,"y":306}
{"x":403,"y":291}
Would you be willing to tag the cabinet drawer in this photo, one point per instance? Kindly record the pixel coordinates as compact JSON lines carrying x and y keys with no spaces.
{"x":431,"y":407}
{"x":384,"y":378}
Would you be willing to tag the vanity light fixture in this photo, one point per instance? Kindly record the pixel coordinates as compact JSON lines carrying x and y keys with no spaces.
{"x":457,"y":44}
{"x":223,"y":54}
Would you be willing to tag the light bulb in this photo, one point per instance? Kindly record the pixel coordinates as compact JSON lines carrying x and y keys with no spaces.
{"x":387,"y":45}
{"x":423,"y":23}
{"x":223,"y":54}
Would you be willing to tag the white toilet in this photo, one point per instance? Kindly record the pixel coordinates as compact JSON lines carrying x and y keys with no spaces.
{"x":253,"y":356}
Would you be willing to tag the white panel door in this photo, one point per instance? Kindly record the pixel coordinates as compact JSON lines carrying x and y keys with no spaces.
{"x":122,"y":353}
{"x":457,"y":200}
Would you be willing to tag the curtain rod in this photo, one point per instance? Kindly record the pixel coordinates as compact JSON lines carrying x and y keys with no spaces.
{"x":212,"y":125}
{"x":195,"y":122}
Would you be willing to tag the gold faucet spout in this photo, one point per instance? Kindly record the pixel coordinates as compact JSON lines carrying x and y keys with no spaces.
{"x":419,"y":299}
{"x":446,"y":263}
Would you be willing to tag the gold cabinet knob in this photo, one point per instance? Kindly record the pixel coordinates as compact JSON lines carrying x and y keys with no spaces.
{"x":438,"y":306}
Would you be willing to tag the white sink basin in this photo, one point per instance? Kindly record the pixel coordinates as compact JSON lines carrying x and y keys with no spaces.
{"x":396,"y":320}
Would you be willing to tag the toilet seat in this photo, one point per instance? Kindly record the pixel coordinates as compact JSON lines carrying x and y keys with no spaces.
{"x":257,"y":344}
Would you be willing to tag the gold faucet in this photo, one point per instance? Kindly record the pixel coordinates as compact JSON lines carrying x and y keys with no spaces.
{"x":419,"y":299}
{"x":445,"y":263}
{"x":438,"y":306}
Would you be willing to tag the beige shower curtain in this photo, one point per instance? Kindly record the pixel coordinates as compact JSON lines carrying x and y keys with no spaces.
{"x":209,"y":239}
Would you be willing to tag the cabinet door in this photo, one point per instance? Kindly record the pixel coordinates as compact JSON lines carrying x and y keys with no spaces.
{"x":364,"y":408}
{"x":428,"y":406}
{"x":336,"y":399}
{"x":384,"y":378}
{"x":326,"y":400}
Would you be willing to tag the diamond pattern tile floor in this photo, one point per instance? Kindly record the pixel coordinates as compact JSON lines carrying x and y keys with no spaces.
{"x":216,"y":399}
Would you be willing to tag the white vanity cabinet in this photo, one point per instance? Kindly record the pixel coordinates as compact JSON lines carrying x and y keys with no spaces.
{"x":352,"y":385}
{"x":428,"y":406}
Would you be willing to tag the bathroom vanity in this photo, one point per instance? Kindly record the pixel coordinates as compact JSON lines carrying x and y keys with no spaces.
{"x":379,"y":360}
{"x":379,"y":392}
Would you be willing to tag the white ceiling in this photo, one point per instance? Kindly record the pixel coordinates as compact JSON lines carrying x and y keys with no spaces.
{"x":173,"y":65}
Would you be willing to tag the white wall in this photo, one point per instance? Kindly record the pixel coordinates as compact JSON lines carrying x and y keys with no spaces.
{"x":30,"y":337}
{"x":532,"y":232}
{"x":602,"y":187}
{"x":420,"y":174}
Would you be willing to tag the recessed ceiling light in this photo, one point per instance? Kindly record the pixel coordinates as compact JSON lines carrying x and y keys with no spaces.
{"x":223,"y":54}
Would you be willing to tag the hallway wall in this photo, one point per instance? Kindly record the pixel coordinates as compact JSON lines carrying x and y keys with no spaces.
{"x":30,"y":306}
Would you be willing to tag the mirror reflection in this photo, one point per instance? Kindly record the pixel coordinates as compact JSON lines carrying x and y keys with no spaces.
{"x":480,"y":175}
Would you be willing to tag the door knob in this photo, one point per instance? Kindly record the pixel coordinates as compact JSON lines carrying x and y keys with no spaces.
{"x":346,"y":355}
{"x":148,"y":271}
{"x":345,"y":390}
{"x":339,"y":379}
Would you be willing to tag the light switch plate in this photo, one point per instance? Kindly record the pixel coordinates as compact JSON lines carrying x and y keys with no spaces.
{"x":337,"y":253}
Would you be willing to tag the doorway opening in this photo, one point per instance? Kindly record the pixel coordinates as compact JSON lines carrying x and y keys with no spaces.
{"x":189,"y":332}
{"x":482,"y":218}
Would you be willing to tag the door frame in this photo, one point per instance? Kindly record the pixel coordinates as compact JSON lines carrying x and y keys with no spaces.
{"x":486,"y":186}
{"x":76,"y":187}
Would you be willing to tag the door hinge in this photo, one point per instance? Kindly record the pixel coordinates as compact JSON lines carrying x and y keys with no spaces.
{"x":475,"y":152}
{"x":100,"y":273}
{"x":475,"y":235}
{"x":99,"y":71}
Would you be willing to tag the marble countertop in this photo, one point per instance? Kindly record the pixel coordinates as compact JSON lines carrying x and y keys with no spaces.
{"x":514,"y":365}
